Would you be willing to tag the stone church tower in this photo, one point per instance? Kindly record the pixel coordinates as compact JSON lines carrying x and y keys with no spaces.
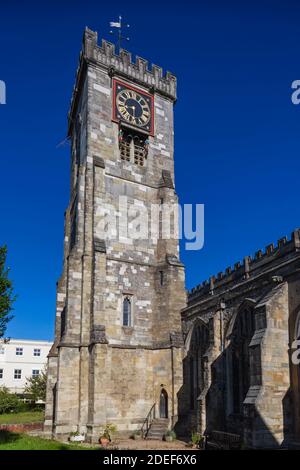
{"x":118,"y":341}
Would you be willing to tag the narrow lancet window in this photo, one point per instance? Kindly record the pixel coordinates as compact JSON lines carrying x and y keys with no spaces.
{"x":127,"y":312}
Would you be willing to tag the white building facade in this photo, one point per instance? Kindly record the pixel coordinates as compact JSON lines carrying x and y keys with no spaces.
{"x":21,"y":359}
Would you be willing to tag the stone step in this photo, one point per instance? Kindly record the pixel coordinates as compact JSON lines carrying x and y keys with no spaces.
{"x":159,"y":427}
{"x":157,"y":431}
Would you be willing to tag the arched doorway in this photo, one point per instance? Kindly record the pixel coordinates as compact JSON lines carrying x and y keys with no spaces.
{"x":163,"y":404}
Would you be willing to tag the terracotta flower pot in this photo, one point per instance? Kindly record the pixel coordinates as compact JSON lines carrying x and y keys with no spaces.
{"x":103,"y":441}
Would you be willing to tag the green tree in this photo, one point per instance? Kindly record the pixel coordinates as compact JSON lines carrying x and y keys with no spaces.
{"x":6,"y":293}
{"x":36,"y":387}
{"x":9,"y":402}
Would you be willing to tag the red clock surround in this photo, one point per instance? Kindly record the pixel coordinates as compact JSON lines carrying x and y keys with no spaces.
{"x":149,"y":129}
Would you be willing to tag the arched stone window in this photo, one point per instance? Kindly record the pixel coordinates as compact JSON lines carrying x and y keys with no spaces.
{"x":242,"y":334}
{"x":127,"y":311}
{"x":197,"y":363}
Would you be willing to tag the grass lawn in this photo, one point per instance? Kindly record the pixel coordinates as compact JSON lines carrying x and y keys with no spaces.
{"x":24,"y":417}
{"x":14,"y":441}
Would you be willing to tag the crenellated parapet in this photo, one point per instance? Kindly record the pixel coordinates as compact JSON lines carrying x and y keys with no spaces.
{"x":273,"y":254}
{"x":121,"y":64}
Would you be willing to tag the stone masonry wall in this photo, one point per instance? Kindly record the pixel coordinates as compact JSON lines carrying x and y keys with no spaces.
{"x":107,"y":372}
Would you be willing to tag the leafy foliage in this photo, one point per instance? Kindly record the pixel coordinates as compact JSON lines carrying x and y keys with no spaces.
{"x":10,"y":402}
{"x":6,"y":293}
{"x":196,"y":438}
{"x":109,"y":430}
{"x":36,"y":387}
{"x":171,"y":433}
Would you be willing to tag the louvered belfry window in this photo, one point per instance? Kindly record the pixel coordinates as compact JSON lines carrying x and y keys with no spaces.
{"x":133,"y":148}
{"x":125,"y":148}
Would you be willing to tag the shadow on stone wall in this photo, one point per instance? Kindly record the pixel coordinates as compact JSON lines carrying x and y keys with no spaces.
{"x":249,"y":423}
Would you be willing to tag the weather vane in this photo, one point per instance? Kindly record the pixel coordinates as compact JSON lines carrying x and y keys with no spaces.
{"x":119,"y":25}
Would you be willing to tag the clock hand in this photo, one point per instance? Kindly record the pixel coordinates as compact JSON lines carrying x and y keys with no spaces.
{"x":132,"y":107}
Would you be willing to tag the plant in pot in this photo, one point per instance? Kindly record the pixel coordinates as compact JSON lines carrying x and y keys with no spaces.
{"x":137,"y":435}
{"x":76,"y":437}
{"x":106,"y":437}
{"x":170,"y":436}
{"x":196,"y":439}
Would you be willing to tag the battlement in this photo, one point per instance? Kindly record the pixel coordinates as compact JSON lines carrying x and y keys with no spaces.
{"x":122,"y":64}
{"x":250,"y":266}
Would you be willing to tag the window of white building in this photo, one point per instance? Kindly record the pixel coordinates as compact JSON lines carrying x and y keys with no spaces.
{"x":1,"y":373}
{"x":19,"y":351}
{"x":18,"y":374}
{"x":36,"y":352}
{"x":35,"y":373}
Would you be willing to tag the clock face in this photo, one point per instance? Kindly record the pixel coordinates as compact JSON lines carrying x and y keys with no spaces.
{"x":133,"y":107}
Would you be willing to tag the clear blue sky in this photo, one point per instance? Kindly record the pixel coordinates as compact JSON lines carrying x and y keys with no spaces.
{"x":237,"y":132}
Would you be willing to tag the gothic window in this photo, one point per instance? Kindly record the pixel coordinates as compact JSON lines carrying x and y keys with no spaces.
{"x":133,"y":148}
{"x":127,"y":311}
{"x":242,"y":334}
{"x":197,"y":362}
